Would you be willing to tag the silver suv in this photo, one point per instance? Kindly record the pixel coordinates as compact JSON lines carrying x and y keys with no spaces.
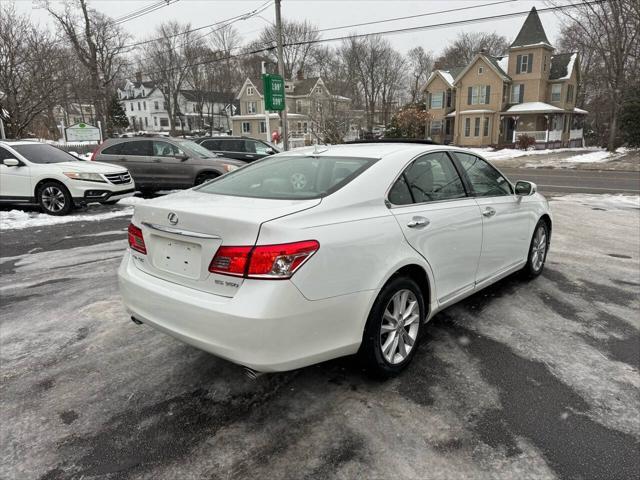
{"x":164,"y":163}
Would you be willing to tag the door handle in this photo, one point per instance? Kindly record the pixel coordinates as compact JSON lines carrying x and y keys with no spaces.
{"x":418,"y":222}
{"x":489,"y":212}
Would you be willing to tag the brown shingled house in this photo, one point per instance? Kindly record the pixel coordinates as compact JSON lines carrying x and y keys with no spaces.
{"x":492,"y":100}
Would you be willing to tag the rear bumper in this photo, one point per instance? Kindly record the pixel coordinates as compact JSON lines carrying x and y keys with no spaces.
{"x":268,"y":325}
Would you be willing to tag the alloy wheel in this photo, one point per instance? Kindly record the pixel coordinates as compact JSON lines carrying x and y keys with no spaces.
{"x":400,"y":324}
{"x":53,"y":199}
{"x":539,"y":248}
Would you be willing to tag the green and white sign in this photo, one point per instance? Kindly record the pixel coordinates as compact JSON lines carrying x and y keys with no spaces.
{"x":82,"y":132}
{"x":273,"y":86}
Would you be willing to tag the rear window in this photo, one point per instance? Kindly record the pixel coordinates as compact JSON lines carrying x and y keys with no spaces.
{"x":289,"y":177}
{"x":43,"y":153}
{"x":137,"y":147}
{"x":113,"y":149}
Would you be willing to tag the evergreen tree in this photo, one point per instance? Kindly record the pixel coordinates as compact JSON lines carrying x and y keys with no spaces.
{"x":117,"y":117}
{"x":630,"y":119}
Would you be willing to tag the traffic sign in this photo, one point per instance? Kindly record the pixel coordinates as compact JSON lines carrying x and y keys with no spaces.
{"x":273,"y":86}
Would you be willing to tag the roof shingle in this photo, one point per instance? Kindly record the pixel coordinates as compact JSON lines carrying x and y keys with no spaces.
{"x":532,"y":31}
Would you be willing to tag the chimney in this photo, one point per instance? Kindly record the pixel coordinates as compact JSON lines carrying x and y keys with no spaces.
{"x":139,"y":77}
{"x":437,"y":65}
{"x":483,"y":51}
{"x":300,"y":75}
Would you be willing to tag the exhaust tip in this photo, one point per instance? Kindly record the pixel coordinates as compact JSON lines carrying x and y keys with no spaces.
{"x":136,"y":321}
{"x":252,"y":374}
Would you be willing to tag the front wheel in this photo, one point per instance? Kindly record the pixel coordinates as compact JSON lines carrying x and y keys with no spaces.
{"x":537,"y":250}
{"x":392,"y":331}
{"x":54,"y":198}
{"x":205,"y":177}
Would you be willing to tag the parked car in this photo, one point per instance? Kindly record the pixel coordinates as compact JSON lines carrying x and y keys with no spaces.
{"x":320,"y":253}
{"x":34,"y":172}
{"x":240,"y":148}
{"x":164,"y":163}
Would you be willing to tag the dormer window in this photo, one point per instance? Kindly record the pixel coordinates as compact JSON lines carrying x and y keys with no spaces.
{"x":249,"y":90}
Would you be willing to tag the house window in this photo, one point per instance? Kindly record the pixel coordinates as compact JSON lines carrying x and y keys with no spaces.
{"x":252,"y":107}
{"x":305,"y":127}
{"x":479,"y":94}
{"x":476,"y":127}
{"x":155,"y":121}
{"x":569,"y":93}
{"x":144,"y":105}
{"x":298,"y":106}
{"x":138,"y":106}
{"x":164,"y":106}
{"x":544,"y":65}
{"x":524,"y":63}
{"x":436,"y":100}
{"x":480,"y":70}
{"x":449,"y":98}
{"x":467,"y":127}
{"x":131,"y":106}
{"x":556,"y":92}
{"x":143,"y":93}
{"x":447,"y":126}
{"x":299,"y":127}
{"x":517,"y":93}
{"x":146,"y":121}
{"x":436,"y":127}
{"x":318,"y":89}
{"x":246,"y":127}
{"x":249,"y":90}
{"x":486,"y":128}
{"x":155,"y":105}
{"x":263,"y":127}
{"x":164,"y":122}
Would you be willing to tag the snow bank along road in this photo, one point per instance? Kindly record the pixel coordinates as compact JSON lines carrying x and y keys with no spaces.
{"x":573,"y":181}
{"x":524,"y":380}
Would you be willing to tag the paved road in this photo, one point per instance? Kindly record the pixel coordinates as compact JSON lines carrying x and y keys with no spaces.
{"x":562,"y":180}
{"x":523,"y":380}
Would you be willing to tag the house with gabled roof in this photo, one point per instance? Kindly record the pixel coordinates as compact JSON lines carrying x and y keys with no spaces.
{"x":308,"y":101}
{"x":530,"y":91}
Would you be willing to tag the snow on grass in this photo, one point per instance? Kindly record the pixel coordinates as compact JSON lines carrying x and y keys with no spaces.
{"x":510,"y":153}
{"x":18,"y":219}
{"x":605,"y":201}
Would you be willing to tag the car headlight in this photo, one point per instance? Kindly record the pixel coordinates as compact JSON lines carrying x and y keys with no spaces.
{"x":229,"y":168}
{"x":87,"y":177}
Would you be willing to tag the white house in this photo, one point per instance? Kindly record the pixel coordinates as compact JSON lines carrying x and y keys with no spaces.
{"x":145,"y":107}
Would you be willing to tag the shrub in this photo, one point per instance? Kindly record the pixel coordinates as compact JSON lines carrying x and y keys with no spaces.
{"x":525,"y":142}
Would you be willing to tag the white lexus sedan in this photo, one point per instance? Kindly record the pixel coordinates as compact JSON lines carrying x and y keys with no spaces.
{"x":314,"y":254}
{"x":34,"y":172}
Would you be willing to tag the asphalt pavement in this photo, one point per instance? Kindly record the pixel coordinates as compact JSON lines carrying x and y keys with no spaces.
{"x":562,"y":180}
{"x":534,"y":379}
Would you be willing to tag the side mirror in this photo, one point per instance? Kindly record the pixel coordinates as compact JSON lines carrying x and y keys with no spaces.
{"x":270,"y":151}
{"x":11,"y":162}
{"x":182,"y":157}
{"x":524,"y":189}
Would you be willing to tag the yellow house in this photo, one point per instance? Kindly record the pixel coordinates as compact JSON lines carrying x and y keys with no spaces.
{"x":531,"y":91}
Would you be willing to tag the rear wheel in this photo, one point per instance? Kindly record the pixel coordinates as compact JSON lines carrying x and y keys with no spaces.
{"x":537,"y":250}
{"x":392,"y":331}
{"x":205,"y":177}
{"x":147,"y":192}
{"x":54,"y":198}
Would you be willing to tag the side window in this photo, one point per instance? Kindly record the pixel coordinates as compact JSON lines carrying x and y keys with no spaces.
{"x":433,"y":177}
{"x":399,"y":193}
{"x":113,"y":149}
{"x":250,"y":146}
{"x":233,"y":145}
{"x":140,"y":148}
{"x":164,"y":149}
{"x":4,"y":154}
{"x":485,"y":180}
{"x":213,"y":145}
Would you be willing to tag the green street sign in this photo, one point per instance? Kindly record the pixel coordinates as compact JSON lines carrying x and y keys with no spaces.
{"x":273,"y":87}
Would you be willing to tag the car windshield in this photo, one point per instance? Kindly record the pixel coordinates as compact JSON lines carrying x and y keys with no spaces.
{"x":196,"y":148}
{"x":289,"y":177}
{"x":43,"y":153}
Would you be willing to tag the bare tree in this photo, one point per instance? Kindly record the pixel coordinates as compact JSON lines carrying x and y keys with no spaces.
{"x":99,"y":45}
{"x":468,"y":44}
{"x":31,"y":70}
{"x":420,"y":64}
{"x":608,"y":33}
{"x":167,"y":61}
{"x":298,"y":38}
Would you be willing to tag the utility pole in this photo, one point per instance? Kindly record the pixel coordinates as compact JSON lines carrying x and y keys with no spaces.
{"x":285,"y":125}
{"x":266,"y":113}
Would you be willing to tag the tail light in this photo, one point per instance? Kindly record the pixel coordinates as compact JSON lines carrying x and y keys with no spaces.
{"x":264,"y":261}
{"x":136,"y":240}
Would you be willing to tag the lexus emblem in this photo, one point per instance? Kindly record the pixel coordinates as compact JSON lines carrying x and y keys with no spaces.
{"x":173,"y":218}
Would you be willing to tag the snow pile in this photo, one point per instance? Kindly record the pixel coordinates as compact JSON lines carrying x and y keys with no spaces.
{"x":605,"y":201}
{"x":510,"y":153}
{"x":592,"y":157}
{"x":18,"y":219}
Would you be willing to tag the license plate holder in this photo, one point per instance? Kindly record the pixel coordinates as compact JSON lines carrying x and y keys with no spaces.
{"x":177,"y":257}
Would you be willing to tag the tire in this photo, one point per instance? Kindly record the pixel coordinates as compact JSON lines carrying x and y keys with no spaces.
{"x":537,"y":250}
{"x":147,"y":192}
{"x":54,"y":198}
{"x":205,"y":177}
{"x":386,"y":362}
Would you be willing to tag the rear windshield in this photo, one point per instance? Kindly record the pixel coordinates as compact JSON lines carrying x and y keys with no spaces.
{"x":43,"y":153}
{"x":289,"y":177}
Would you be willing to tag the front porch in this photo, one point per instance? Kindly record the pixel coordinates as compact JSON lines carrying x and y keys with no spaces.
{"x":552,"y":128}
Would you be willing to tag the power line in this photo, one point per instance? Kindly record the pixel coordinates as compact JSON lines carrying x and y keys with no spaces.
{"x":143,"y":12}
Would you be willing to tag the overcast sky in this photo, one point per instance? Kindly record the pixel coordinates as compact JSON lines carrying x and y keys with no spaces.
{"x":327,"y":14}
